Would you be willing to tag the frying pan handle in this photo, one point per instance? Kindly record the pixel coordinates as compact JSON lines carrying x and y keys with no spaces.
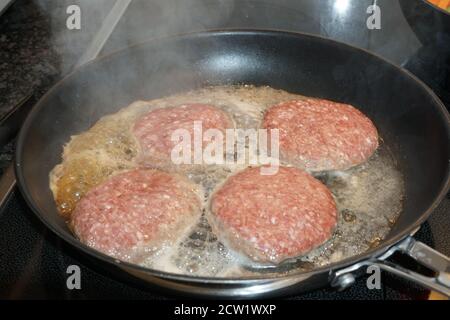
{"x":7,"y":184}
{"x":426,"y":256}
{"x":417,"y":250}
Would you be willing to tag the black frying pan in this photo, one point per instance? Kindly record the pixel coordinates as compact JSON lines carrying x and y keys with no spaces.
{"x":411,"y":120}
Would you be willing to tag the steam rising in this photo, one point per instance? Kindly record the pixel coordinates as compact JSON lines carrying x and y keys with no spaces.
{"x":169,"y":17}
{"x":70,"y":44}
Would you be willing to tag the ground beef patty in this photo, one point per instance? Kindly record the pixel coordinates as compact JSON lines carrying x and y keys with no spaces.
{"x":154,"y":130}
{"x":271,"y":218}
{"x":131,"y":214}
{"x":322,"y":135}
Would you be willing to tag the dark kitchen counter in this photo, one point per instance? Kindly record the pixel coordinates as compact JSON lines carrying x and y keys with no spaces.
{"x":28,"y":63}
{"x":36,"y":49}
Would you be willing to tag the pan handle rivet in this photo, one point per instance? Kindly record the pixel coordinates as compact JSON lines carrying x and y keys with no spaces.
{"x":344,"y":281}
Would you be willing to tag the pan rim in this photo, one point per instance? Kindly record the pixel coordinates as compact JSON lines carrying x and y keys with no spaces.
{"x":374,"y":252}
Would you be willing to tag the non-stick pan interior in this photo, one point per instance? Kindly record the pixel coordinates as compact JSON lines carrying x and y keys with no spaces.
{"x":409,"y":117}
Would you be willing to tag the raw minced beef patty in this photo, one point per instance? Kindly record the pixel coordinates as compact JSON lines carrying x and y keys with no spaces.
{"x":322,"y":135}
{"x":133,"y":213}
{"x":154,"y":130}
{"x":271,"y":218}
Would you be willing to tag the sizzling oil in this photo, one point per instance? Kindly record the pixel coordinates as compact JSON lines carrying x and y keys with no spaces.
{"x":369,"y":197}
